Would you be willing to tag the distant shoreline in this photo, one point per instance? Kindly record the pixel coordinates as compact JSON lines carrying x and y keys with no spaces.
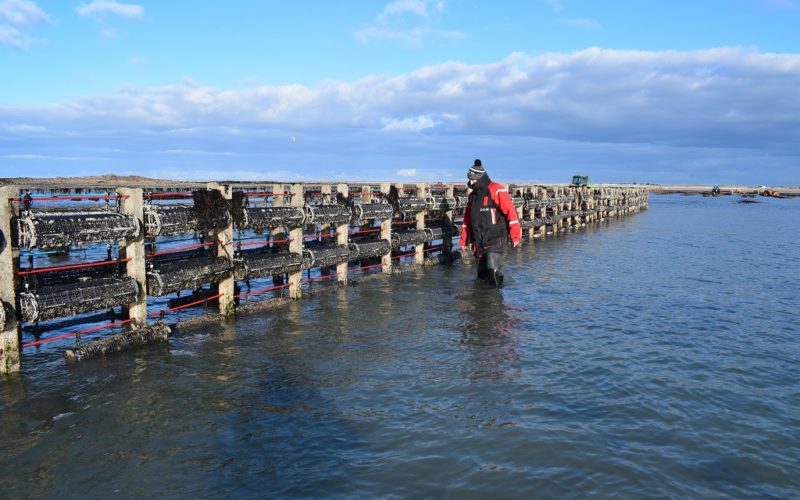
{"x":110,"y":181}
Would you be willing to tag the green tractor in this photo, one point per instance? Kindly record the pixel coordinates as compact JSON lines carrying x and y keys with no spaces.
{"x":580,"y":180}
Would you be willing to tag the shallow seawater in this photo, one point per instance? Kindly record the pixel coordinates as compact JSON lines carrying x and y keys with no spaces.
{"x":657,"y":355}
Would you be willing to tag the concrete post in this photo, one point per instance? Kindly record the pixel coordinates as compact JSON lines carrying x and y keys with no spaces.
{"x":296,"y":244}
{"x":224,"y":239}
{"x":531,"y":214}
{"x":419,"y":250}
{"x":10,"y":333}
{"x":342,"y":237}
{"x":386,"y":234}
{"x":542,"y":195}
{"x":132,"y":203}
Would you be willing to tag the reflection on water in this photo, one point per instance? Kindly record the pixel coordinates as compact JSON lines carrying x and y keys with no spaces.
{"x":653,"y":356}
{"x":489,"y":331}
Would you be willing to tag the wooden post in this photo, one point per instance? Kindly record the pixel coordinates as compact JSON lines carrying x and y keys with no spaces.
{"x":386,"y":234}
{"x":132,"y":203}
{"x":224,"y":239}
{"x":10,"y":333}
{"x":419,"y":250}
{"x":296,"y":244}
{"x":342,"y":237}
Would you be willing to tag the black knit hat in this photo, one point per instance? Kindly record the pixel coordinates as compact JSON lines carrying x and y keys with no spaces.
{"x":476,"y":171}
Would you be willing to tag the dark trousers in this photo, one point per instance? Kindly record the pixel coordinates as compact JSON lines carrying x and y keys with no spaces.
{"x":489,"y":265}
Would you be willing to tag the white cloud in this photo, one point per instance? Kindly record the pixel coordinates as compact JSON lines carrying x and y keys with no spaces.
{"x":407,"y":172}
{"x":402,"y":7}
{"x":407,"y":22}
{"x":101,"y":7}
{"x":17,"y":16}
{"x":666,"y":110}
{"x":26,"y":129}
{"x":138,"y":60}
{"x":23,"y":13}
{"x":13,"y":37}
{"x":414,"y":124}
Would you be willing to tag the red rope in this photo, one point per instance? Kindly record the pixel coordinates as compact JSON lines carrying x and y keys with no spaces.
{"x":72,"y":334}
{"x":168,"y":195}
{"x":184,"y":306}
{"x":263,"y":290}
{"x":404,"y":255}
{"x":309,"y":280}
{"x":267,"y":242}
{"x":431,"y":249}
{"x":75,"y":266}
{"x":266,"y":194}
{"x":401,"y":222}
{"x":73,"y":198}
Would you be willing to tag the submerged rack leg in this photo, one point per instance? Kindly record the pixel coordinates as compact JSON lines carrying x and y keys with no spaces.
{"x":419,"y":250}
{"x":10,"y":329}
{"x":342,"y":237}
{"x":224,"y":239}
{"x":386,"y":234}
{"x":296,"y":244}
{"x":132,"y":203}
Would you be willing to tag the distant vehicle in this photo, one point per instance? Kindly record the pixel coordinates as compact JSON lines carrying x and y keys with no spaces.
{"x":716,"y":191}
{"x":580,"y":180}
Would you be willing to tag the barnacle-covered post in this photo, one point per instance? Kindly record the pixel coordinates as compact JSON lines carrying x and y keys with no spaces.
{"x":531,"y":190}
{"x":131,"y":202}
{"x":224,"y":238}
{"x":386,"y":234}
{"x":542,"y":194}
{"x":342,"y":237}
{"x":9,"y":327}
{"x":419,"y":249}
{"x":296,"y":244}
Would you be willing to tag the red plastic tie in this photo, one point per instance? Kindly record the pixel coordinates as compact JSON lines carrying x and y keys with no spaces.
{"x":184,"y":306}
{"x":72,"y":334}
{"x":75,"y":266}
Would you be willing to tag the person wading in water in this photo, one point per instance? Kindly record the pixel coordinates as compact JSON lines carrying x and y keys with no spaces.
{"x":489,"y":218}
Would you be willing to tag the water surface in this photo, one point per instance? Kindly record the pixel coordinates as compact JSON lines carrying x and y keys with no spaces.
{"x":657,"y":355}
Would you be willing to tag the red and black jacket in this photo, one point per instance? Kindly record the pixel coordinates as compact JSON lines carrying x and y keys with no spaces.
{"x":489,"y":218}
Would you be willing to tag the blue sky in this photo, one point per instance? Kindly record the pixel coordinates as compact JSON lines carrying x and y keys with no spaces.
{"x":627,"y":90}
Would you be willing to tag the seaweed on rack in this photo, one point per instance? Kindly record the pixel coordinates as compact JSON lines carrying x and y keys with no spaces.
{"x":213,"y":211}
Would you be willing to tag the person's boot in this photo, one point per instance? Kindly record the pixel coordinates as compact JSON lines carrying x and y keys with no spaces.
{"x":483,"y":272}
{"x":496,"y":277}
